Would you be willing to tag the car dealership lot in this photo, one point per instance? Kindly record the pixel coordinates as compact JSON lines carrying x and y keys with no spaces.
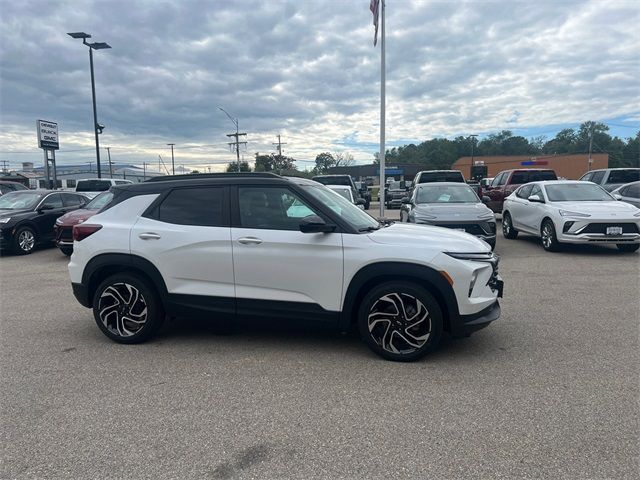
{"x":550,"y":389}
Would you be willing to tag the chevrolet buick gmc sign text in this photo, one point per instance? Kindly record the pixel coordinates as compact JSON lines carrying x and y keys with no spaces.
{"x":47,"y":135}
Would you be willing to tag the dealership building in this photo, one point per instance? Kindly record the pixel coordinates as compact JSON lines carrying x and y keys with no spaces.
{"x":566,"y":166}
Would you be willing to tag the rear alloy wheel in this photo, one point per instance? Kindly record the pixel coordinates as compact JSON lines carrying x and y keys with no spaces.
{"x":127,"y":309}
{"x":24,"y":240}
{"x":400,"y":321}
{"x":507,"y":227}
{"x":628,"y":247}
{"x":548,"y":234}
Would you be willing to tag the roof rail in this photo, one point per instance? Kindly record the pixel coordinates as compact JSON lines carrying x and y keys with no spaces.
{"x":191,"y":176}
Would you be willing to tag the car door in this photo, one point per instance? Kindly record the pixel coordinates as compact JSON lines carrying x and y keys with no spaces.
{"x":533,"y":213}
{"x":51,"y":207}
{"x":518,"y":205}
{"x":277,"y":267}
{"x":187,"y":236}
{"x":495,"y":192}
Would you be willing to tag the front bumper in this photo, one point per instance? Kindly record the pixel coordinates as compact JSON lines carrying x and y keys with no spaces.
{"x":467,"y":324}
{"x":595,"y":231}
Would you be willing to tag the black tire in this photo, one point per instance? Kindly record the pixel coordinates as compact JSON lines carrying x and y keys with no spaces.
{"x":508,"y":231}
{"x":628,"y":247}
{"x":548,"y":235}
{"x":115,"y":293}
{"x":66,"y":250}
{"x":24,"y":240}
{"x":411,"y":302}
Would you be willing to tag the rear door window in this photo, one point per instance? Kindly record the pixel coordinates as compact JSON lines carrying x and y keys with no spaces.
{"x":623,"y":176}
{"x":71,"y":200}
{"x":203,"y":206}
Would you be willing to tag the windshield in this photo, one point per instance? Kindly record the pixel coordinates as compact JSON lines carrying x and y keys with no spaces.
{"x":100,"y":201}
{"x":343,"y":192}
{"x":446,"y":194}
{"x":624,"y":176}
{"x":338,"y":180}
{"x":345,"y":209}
{"x":93,"y":186}
{"x":577,"y":192}
{"x":20,"y":200}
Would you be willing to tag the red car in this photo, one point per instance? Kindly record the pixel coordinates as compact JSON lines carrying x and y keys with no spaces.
{"x":505,"y":182}
{"x":64,"y":225}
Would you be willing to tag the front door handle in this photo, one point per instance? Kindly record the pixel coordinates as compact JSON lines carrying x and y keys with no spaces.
{"x":250,"y":241}
{"x":149,"y":236}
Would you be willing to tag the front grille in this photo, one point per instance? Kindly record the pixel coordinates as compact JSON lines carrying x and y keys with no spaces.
{"x":65,"y":233}
{"x":602,"y":227}
{"x":472,"y":228}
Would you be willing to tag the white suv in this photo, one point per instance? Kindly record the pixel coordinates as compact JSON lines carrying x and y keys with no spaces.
{"x":259,"y":245}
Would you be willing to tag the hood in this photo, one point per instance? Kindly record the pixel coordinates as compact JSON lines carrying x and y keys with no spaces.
{"x":598,"y":208}
{"x":12,"y":213}
{"x":414,"y":235}
{"x":75,"y":217}
{"x":452,"y":212}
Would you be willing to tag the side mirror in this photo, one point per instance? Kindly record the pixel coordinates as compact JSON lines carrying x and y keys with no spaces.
{"x":314,"y":224}
{"x":486,"y":199}
{"x":535,"y":198}
{"x":617,"y":196}
{"x":361,"y":201}
{"x":45,"y":207}
{"x":406,"y":200}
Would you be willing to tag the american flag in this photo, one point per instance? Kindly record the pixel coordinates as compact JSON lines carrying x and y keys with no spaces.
{"x":374,"y":6}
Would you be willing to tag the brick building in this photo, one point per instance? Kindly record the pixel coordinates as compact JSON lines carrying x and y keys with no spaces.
{"x":567,"y":166}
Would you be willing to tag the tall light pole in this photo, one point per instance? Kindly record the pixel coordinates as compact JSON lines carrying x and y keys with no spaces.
{"x":97,"y":128}
{"x":473,"y":144}
{"x":173,"y":161}
{"x":236,"y":135}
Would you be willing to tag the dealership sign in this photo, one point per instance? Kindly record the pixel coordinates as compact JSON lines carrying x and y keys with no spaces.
{"x":47,"y":135}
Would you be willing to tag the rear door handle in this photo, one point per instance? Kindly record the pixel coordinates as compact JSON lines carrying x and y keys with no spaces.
{"x":149,"y":236}
{"x":250,"y":241}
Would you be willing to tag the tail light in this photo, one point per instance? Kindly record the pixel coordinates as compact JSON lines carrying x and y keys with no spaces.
{"x":83,"y":230}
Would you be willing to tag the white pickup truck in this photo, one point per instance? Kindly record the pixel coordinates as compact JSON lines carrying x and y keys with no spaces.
{"x":91,"y":187}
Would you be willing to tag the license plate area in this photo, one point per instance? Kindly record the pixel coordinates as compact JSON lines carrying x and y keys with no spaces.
{"x":613,"y":231}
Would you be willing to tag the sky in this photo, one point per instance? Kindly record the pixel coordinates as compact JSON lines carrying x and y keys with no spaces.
{"x":308,"y":70}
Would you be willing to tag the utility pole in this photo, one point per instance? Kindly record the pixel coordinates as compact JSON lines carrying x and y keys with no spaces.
{"x":237,"y":144}
{"x":4,"y":165}
{"x":110,"y":168}
{"x":279,"y":144}
{"x":144,"y":171}
{"x":173,"y":162}
{"x":90,"y":167}
{"x":473,"y":143}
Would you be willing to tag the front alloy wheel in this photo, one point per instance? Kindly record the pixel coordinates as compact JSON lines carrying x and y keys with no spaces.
{"x":25,"y":240}
{"x":548,"y":234}
{"x":127,"y":309}
{"x":507,"y":227}
{"x":400,"y":321}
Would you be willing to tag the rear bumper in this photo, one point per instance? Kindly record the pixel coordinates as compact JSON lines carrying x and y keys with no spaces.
{"x":81,"y":292}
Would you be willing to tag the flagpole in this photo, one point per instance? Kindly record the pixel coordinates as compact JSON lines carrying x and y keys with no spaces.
{"x":382,"y":114}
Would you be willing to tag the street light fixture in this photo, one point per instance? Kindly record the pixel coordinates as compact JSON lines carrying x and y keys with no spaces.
{"x":97,"y":128}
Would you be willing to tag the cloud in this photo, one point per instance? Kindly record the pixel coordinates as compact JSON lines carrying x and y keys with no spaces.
{"x":307,"y":70}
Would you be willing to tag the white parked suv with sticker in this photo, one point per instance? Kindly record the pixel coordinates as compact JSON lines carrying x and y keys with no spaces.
{"x":571,"y":211}
{"x":227,"y":246}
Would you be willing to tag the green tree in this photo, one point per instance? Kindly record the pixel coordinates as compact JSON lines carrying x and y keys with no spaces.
{"x":233,"y":167}
{"x":324,"y":161}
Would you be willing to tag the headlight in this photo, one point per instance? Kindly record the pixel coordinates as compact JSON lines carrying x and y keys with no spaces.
{"x":486,"y":216}
{"x":58,"y":221}
{"x":5,"y":219}
{"x":637,"y":214}
{"x":475,"y":257}
{"x":424,"y":216}
{"x":567,"y":213}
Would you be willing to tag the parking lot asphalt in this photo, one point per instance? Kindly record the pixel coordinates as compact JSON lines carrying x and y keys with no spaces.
{"x":549,"y":390}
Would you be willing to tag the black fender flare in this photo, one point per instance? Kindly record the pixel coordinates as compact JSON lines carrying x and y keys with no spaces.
{"x":114,"y":262}
{"x":376,"y":273}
